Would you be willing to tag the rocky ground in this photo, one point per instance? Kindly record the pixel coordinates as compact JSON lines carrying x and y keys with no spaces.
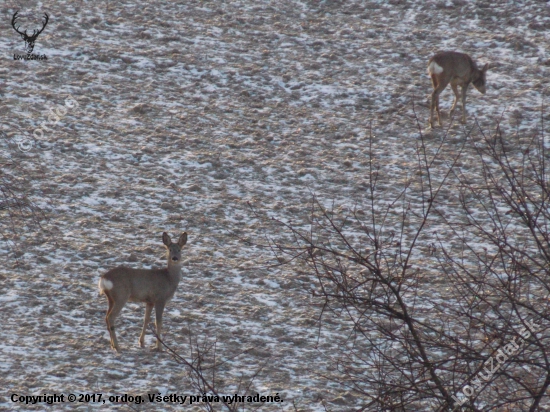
{"x":208,"y":117}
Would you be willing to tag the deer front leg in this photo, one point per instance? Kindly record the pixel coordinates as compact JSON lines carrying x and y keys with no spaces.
{"x":457,"y":97}
{"x":148,"y":309}
{"x":159,"y":309}
{"x":464,"y":90}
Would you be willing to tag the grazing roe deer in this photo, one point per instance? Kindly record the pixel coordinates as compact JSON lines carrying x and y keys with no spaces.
{"x":154,"y":287}
{"x":460,"y":70}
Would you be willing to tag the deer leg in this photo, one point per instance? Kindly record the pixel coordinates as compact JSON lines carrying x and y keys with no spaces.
{"x":457,"y":96}
{"x":114,"y":310}
{"x":109,"y":310}
{"x":437,"y":108}
{"x":148,"y":309}
{"x":435,"y":104}
{"x":159,"y":310}
{"x":464,"y":89}
{"x":432,"y":102}
{"x":434,"y":81}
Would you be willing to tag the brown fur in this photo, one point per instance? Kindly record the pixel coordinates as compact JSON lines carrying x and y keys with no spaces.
{"x":154,"y":287}
{"x":459,"y":70}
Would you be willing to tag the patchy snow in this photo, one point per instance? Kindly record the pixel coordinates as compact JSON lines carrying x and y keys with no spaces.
{"x":190,"y":116}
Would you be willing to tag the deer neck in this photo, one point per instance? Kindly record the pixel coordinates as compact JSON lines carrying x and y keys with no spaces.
{"x":174,"y":270}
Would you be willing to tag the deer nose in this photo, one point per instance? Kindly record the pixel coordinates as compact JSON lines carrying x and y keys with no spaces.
{"x":175,"y":258}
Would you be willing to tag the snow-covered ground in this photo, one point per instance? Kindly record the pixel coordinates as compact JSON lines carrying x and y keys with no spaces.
{"x":179,"y":118}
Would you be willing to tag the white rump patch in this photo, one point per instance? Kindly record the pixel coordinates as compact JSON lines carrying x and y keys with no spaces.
{"x":105,"y":284}
{"x":435,"y":68}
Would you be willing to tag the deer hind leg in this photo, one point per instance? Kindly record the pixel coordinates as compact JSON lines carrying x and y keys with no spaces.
{"x":159,"y":309}
{"x":439,"y":86}
{"x":114,"y":310}
{"x":434,"y":80}
{"x":435,"y":105}
{"x":434,"y":99}
{"x":148,"y":310}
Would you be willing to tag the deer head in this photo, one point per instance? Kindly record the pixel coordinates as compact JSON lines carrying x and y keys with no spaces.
{"x":29,"y":40}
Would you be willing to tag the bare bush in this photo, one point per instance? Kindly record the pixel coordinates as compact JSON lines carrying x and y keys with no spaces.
{"x":17,"y":209}
{"x":205,"y":375}
{"x":503,"y":264}
{"x":445,"y":297}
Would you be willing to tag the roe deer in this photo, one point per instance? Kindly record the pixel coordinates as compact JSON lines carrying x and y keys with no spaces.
{"x":460,"y":70}
{"x":154,"y":287}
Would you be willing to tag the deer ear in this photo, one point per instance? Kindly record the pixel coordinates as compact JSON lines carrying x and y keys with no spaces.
{"x":485,"y":68}
{"x":183,"y":239}
{"x":166,"y":239}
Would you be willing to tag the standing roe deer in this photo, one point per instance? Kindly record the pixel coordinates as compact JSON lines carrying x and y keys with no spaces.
{"x":154,"y":287}
{"x":458,"y":69}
